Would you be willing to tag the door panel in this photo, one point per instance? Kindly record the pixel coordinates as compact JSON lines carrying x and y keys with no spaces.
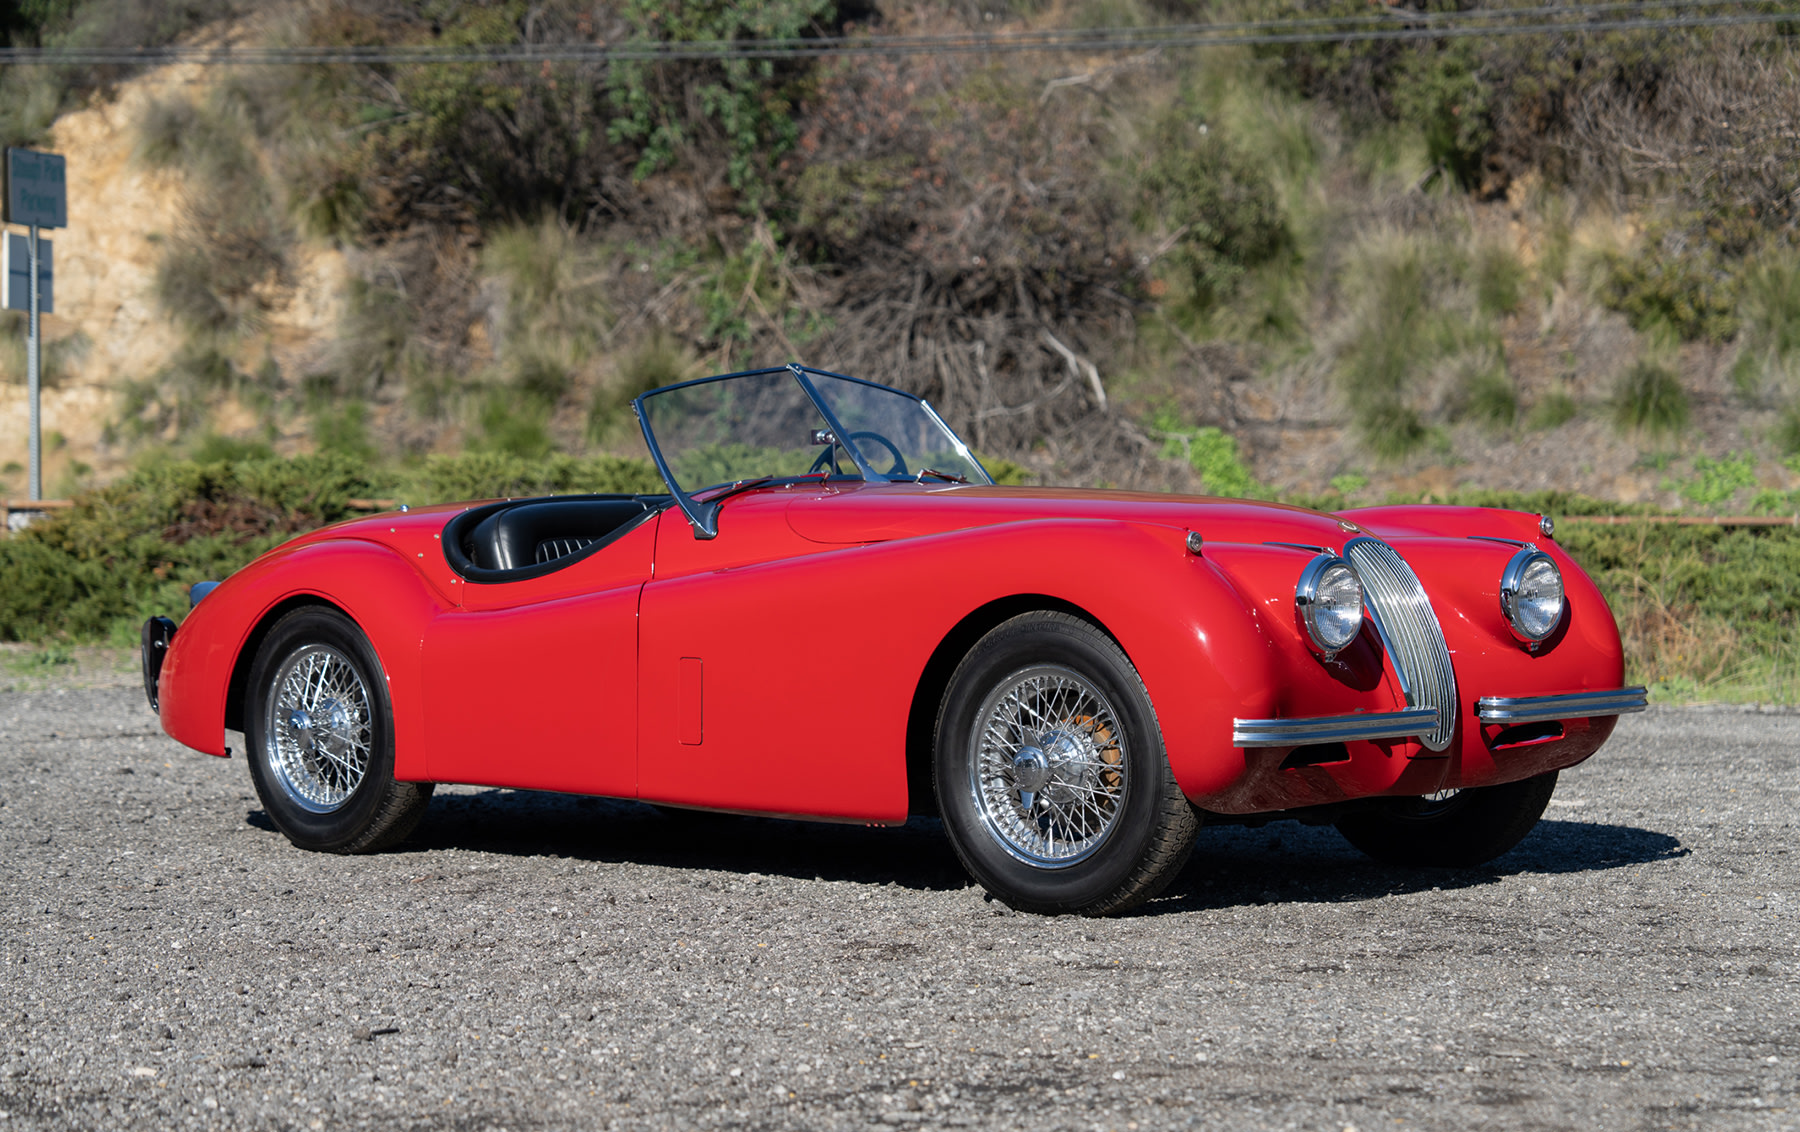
{"x":542,"y":694}
{"x":756,"y":693}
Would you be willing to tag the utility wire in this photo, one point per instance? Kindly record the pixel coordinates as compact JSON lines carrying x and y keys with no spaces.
{"x":1352,"y":29}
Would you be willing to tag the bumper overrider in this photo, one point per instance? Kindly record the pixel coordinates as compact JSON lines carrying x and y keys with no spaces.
{"x":157,"y":633}
{"x":1416,"y":722}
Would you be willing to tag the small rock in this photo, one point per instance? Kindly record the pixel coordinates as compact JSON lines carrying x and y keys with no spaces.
{"x":361,"y":1034}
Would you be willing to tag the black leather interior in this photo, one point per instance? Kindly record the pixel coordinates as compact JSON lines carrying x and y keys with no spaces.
{"x":509,"y":539}
{"x":515,"y":540}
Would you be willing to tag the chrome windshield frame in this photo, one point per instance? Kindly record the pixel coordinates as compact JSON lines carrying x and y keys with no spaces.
{"x":703,"y":516}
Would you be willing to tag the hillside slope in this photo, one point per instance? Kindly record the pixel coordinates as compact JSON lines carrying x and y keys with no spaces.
{"x":1333,"y":273}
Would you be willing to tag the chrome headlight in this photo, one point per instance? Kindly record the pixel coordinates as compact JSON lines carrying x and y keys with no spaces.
{"x":1531,"y":594}
{"x":1329,"y":602}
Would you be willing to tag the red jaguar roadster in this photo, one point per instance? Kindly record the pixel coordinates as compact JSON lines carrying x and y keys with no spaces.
{"x":834,"y":614}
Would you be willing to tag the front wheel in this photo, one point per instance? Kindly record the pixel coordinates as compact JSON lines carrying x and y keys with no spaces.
{"x":320,"y":733}
{"x":1459,"y":829}
{"x":1050,"y":772}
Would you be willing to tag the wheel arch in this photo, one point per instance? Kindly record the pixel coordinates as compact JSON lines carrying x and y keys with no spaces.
{"x":237,"y":687}
{"x":934,"y":681}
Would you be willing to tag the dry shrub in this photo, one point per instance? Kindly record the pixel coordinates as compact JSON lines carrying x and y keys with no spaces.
{"x":1721,"y":126}
{"x":1675,"y":642}
{"x":971,"y":253}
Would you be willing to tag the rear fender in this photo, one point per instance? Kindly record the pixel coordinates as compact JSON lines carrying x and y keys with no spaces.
{"x":380,"y":590}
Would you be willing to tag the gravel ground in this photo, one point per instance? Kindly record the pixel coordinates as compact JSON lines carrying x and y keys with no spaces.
{"x":539,"y":961}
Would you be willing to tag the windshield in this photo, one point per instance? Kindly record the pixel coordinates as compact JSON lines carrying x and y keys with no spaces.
{"x":726,"y":429}
{"x":898,"y":435}
{"x":791,"y":422}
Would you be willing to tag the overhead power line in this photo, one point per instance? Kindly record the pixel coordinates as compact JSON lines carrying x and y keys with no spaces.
{"x":1389,"y":25}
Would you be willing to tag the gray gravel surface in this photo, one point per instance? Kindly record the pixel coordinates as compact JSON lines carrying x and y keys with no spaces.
{"x":538,"y":961}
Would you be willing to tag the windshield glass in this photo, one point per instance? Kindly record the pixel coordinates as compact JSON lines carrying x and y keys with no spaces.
{"x":896,"y":434}
{"x":735,"y":428}
{"x":778,"y":424}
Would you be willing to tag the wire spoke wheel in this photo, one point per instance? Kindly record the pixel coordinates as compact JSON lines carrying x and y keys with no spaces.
{"x":1050,"y":771}
{"x":319,"y":728}
{"x":1049,"y":776}
{"x":320,"y":731}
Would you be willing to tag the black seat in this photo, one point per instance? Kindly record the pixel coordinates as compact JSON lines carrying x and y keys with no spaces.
{"x":533,"y":533}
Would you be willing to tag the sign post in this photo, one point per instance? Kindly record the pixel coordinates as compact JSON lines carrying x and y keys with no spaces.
{"x":36,"y":196}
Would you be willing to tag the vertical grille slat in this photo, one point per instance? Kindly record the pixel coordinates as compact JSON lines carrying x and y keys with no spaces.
{"x":1410,"y":630}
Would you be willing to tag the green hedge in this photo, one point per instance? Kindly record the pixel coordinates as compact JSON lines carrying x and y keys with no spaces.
{"x":130,"y":550}
{"x":1705,"y":611}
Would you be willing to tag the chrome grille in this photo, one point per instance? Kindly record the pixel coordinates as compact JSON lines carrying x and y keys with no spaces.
{"x":1410,"y":632}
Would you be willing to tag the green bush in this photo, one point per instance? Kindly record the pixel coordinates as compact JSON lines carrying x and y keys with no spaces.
{"x":661,"y":106}
{"x":1649,"y":398}
{"x":1687,"y":293}
{"x":1210,"y":452}
{"x":1219,"y":207}
{"x":131,"y":549}
{"x":493,"y":475}
{"x":1552,"y":410}
{"x":1440,"y":91}
{"x":1786,"y":434}
{"x":1715,"y":481}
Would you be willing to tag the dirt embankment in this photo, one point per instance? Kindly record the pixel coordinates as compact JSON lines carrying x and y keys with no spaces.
{"x":109,"y":329}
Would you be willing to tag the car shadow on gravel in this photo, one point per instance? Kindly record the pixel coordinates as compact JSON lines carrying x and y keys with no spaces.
{"x":1292,"y":863}
{"x":529,"y":823}
{"x":1284,"y":862}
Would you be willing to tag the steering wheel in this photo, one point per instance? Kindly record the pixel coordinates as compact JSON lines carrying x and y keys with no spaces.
{"x":826,"y":457}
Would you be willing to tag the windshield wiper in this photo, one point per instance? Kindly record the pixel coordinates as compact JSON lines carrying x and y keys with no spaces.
{"x":951,"y":476}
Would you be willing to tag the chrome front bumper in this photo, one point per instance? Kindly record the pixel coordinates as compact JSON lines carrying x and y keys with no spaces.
{"x":1416,"y":721}
{"x":1578,"y":705}
{"x":1332,"y":728}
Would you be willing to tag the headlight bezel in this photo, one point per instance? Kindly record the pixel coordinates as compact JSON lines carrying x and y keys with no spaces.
{"x":1317,"y":576}
{"x":1512,"y":581}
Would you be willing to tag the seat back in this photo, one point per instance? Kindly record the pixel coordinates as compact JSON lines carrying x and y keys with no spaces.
{"x":534,"y":533}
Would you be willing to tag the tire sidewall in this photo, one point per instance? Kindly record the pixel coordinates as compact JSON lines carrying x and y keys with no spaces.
{"x":1017,"y":645}
{"x":340,"y":827}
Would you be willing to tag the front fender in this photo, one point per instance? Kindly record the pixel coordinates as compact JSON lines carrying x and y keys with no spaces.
{"x":379,"y":589}
{"x":1205,"y":652}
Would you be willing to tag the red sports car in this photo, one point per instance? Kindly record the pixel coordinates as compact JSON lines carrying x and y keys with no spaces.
{"x":834,"y":614}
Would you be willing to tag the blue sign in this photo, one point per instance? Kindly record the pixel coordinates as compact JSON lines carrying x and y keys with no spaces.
{"x":17,"y":269}
{"x":36,"y":190}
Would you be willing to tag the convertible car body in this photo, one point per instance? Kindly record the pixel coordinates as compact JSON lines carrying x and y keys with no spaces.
{"x":833,"y":614}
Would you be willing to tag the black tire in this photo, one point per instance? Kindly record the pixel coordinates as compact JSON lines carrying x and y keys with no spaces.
{"x":1471,"y":827}
{"x":1089,"y":732}
{"x":328,"y":784}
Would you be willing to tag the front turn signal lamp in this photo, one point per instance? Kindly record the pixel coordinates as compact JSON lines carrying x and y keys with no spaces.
{"x":1329,"y":603}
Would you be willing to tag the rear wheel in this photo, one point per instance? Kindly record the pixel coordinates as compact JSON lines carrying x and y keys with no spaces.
{"x":1458,"y":829}
{"x":320,"y":734}
{"x":1050,"y":772}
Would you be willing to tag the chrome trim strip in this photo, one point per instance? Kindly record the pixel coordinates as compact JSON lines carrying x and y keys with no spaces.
{"x":1410,"y":633}
{"x":1333,"y":728}
{"x":1575,"y":705}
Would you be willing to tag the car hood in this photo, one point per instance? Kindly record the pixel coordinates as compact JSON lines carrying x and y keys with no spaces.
{"x":861,"y":513}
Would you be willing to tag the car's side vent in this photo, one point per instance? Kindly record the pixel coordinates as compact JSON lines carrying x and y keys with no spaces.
{"x":1409,"y":631}
{"x":551,"y":549}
